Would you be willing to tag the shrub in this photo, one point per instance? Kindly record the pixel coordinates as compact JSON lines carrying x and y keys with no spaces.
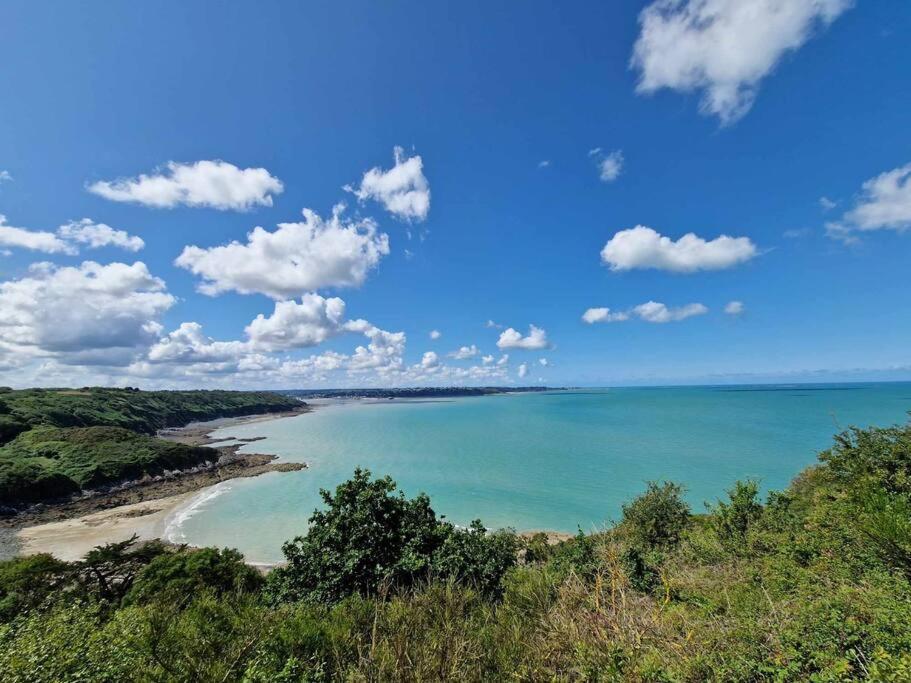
{"x":474,"y":557}
{"x":182,"y":574}
{"x":657,"y":518}
{"x":732,"y":520}
{"x":26,"y":582}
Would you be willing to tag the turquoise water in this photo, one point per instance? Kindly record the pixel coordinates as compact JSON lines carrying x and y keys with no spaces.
{"x":534,"y":461}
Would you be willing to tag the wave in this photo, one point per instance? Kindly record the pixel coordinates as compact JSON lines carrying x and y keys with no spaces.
{"x":173,"y":531}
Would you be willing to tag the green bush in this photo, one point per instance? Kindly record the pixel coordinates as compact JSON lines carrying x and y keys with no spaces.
{"x":27,"y":582}
{"x":476,"y":558}
{"x":732,"y":520}
{"x":657,"y":518}
{"x":182,"y":574}
{"x":370,"y":539}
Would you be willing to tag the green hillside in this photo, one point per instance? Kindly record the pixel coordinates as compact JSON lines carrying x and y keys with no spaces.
{"x":141,"y":411}
{"x":48,"y":462}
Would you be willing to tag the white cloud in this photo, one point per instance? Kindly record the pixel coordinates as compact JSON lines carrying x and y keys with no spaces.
{"x":643,"y":247}
{"x":23,"y":238}
{"x":522,"y":371}
{"x":295,"y":258}
{"x":604,"y":315}
{"x":490,"y":324}
{"x":544,"y":163}
{"x":383,"y":354}
{"x":723,"y":48}
{"x":655,"y":312}
{"x":96,"y":235}
{"x":504,"y":359}
{"x":512,"y":339}
{"x":188,"y":344}
{"x":609,"y":165}
{"x":734,"y":308}
{"x":543,"y":362}
{"x":296,"y":325}
{"x":214,"y":184}
{"x":5,"y":177}
{"x":77,"y":312}
{"x":435,"y":334}
{"x":487,"y":360}
{"x":429,"y":360}
{"x":884,"y":204}
{"x":650,"y":311}
{"x":465,"y":352}
{"x":402,"y":190}
{"x":827,"y":204}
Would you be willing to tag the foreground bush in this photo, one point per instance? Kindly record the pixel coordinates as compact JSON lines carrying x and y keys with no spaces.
{"x":370,"y":539}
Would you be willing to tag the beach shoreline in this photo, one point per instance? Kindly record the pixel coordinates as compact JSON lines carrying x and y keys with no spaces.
{"x":69,"y":529}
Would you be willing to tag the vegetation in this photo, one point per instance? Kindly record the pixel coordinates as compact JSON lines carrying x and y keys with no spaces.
{"x":814,"y":583}
{"x":55,"y":442}
{"x":48,"y":462}
{"x":145,"y":412}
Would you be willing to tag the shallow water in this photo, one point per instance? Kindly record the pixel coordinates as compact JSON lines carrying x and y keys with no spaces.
{"x":553,"y":461}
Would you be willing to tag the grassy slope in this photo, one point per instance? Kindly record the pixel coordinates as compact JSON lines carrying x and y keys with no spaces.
{"x":141,"y":411}
{"x":55,"y":442}
{"x":48,"y":462}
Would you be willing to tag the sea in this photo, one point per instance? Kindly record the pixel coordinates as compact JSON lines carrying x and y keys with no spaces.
{"x":558,"y":460}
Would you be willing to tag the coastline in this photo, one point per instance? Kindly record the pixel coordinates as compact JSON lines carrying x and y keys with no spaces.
{"x":69,"y":529}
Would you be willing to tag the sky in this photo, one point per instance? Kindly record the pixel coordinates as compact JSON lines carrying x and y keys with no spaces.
{"x":291,"y":195}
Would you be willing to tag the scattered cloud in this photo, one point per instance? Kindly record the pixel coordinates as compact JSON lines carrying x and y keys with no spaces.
{"x":655,"y":312}
{"x":543,"y":362}
{"x":403,"y":190}
{"x":610,"y":166}
{"x":96,"y":235}
{"x":430,"y":360}
{"x":544,"y":163}
{"x":650,"y":311}
{"x":795,"y":233}
{"x":297,"y":257}
{"x":827,"y":204}
{"x":487,"y":360}
{"x":435,"y":334}
{"x":643,"y":247}
{"x":522,"y":371}
{"x":490,"y":324}
{"x":465,"y":352}
{"x":73,"y":313}
{"x":723,"y":48}
{"x":534,"y":340}
{"x":884,"y":204}
{"x":35,"y":240}
{"x":734,"y":308}
{"x":5,"y":177}
{"x":212,"y":184}
{"x":604,"y":315}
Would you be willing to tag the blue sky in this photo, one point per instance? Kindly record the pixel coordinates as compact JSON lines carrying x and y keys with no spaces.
{"x":783,"y":126}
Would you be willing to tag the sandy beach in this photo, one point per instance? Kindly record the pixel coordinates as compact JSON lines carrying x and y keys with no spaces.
{"x":71,"y":539}
{"x":70,"y":530}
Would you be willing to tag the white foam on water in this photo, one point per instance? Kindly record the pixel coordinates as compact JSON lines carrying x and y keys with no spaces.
{"x":173,"y":530}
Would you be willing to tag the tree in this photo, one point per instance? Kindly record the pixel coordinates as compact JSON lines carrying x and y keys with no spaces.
{"x":367,"y":537}
{"x":656,"y":519}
